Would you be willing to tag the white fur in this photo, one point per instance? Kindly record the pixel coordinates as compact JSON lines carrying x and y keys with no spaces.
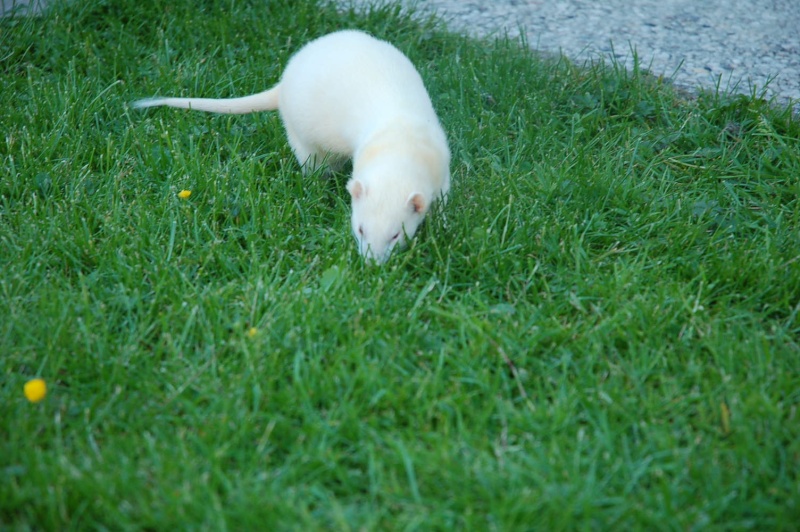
{"x":349,"y":95}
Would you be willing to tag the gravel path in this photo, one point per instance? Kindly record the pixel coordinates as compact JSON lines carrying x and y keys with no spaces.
{"x":738,"y":44}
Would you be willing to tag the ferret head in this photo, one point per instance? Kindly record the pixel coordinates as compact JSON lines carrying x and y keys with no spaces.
{"x":384,"y":217}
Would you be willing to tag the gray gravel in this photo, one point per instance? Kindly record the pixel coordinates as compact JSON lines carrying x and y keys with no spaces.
{"x":737,"y":45}
{"x":21,"y":7}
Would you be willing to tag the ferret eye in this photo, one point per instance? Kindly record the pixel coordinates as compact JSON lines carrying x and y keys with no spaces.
{"x":396,"y":236}
{"x":361,"y":230}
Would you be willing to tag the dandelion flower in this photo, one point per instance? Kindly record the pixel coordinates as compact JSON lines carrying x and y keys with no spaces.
{"x":184,"y":194}
{"x":252,"y":332}
{"x":35,"y":390}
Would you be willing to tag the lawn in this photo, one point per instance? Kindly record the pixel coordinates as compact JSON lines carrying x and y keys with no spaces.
{"x":600,"y":330}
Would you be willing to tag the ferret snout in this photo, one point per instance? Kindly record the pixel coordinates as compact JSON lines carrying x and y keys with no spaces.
{"x":377,"y":250}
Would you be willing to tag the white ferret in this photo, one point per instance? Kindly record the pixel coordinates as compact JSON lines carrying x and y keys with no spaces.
{"x":350,"y":95}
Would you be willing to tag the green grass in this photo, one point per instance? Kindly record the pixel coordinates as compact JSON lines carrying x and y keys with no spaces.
{"x":602,"y":334}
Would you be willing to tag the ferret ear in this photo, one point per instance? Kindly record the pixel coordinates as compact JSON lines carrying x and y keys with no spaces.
{"x":417,"y":202}
{"x":356,"y":189}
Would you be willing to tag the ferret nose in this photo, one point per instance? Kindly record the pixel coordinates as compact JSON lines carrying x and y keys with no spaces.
{"x":375,"y":258}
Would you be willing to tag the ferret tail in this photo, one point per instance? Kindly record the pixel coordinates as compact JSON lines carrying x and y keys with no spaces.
{"x":262,"y":101}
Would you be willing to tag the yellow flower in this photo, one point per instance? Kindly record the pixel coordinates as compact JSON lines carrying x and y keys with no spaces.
{"x":183,"y":194}
{"x":35,"y":390}
{"x":252,"y":332}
